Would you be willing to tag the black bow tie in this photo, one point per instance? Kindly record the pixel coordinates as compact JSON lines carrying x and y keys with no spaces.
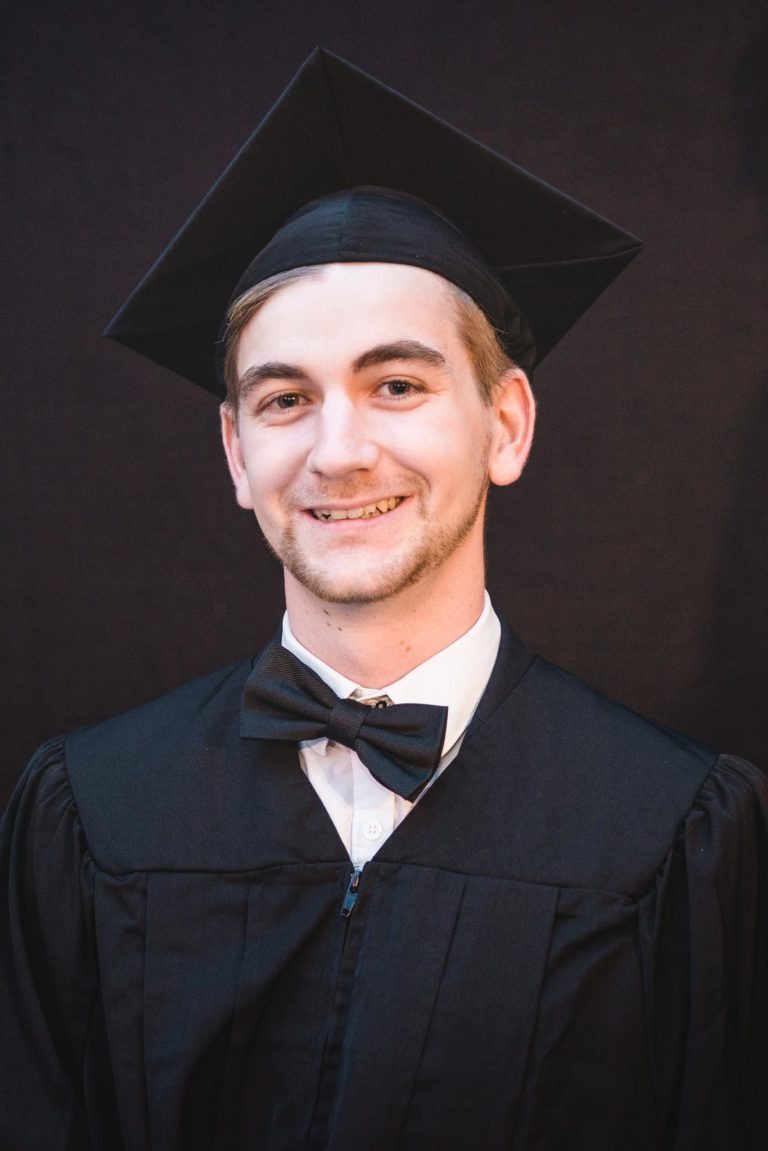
{"x":400,"y":745}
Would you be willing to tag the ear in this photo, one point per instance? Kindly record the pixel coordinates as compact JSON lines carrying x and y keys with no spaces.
{"x":515,"y":416}
{"x":235,"y":459}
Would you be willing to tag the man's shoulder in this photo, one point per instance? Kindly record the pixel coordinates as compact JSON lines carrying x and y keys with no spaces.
{"x":588,"y":752}
{"x":562,"y":714}
{"x":605,"y":790}
{"x":128,"y":773}
{"x":589,"y":718}
{"x":208,"y":701}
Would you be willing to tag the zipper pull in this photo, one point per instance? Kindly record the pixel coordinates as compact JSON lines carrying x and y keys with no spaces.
{"x":350,"y":898}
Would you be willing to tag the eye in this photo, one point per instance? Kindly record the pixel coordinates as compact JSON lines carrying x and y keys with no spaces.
{"x":401,"y":389}
{"x":283,"y":402}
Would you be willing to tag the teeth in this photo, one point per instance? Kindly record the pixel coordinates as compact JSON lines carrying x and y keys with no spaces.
{"x":377,"y":509}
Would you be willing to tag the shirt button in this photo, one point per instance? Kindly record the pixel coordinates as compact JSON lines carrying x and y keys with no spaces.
{"x":372,"y":829}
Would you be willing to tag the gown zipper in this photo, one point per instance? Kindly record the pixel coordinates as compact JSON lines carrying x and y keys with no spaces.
{"x":350,"y":897}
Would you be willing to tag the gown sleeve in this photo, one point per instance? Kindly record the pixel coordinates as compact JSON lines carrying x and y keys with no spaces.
{"x":704,"y":940}
{"x":48,"y":973}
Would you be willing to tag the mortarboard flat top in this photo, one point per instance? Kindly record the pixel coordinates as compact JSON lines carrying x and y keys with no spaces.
{"x":334,"y":127}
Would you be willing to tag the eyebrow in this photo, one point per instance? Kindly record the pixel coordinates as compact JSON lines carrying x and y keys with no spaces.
{"x":271,"y":370}
{"x":399,"y":350}
{"x":410,"y":350}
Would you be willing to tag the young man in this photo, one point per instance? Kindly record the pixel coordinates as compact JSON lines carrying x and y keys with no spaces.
{"x":395,"y":883}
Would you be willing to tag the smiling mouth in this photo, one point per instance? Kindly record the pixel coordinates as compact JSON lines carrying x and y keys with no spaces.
{"x":369,"y":511}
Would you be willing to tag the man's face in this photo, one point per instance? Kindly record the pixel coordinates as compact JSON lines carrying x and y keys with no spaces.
{"x":362,"y":442}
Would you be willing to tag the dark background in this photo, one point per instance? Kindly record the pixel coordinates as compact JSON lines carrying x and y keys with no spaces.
{"x":634,"y":550}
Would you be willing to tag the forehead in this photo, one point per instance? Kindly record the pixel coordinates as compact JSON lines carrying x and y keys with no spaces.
{"x":341,"y":310}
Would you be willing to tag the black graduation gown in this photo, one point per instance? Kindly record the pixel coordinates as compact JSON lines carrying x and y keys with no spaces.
{"x":562,"y":947}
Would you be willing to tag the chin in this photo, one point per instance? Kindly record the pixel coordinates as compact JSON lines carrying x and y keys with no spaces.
{"x":348,"y":587}
{"x":359,"y":581}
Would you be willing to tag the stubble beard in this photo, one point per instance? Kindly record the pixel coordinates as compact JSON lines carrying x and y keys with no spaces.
{"x":436,"y":546}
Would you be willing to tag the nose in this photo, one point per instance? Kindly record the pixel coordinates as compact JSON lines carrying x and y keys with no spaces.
{"x":343,"y":441}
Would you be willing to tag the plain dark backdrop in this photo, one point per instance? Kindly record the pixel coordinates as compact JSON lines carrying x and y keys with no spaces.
{"x":633,"y":551}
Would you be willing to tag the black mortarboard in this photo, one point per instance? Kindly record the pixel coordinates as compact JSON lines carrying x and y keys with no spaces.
{"x":336,"y":128}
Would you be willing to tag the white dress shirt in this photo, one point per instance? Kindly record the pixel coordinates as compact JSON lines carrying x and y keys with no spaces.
{"x":363,"y":811}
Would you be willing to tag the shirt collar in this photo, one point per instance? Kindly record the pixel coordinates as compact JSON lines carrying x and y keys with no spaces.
{"x":455,"y":677}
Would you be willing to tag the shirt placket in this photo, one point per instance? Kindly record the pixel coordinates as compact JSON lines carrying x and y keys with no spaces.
{"x":373,"y":813}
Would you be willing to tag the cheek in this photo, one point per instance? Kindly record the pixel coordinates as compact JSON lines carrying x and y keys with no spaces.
{"x":460,"y":442}
{"x":269,"y":472}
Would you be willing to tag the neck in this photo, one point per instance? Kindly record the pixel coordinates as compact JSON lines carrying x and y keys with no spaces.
{"x":375,"y":644}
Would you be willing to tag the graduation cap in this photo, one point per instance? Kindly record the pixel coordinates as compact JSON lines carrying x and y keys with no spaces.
{"x":425,"y":194}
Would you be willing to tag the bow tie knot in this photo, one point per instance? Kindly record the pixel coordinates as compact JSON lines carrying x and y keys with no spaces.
{"x":401,"y":745}
{"x":346,"y":718}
